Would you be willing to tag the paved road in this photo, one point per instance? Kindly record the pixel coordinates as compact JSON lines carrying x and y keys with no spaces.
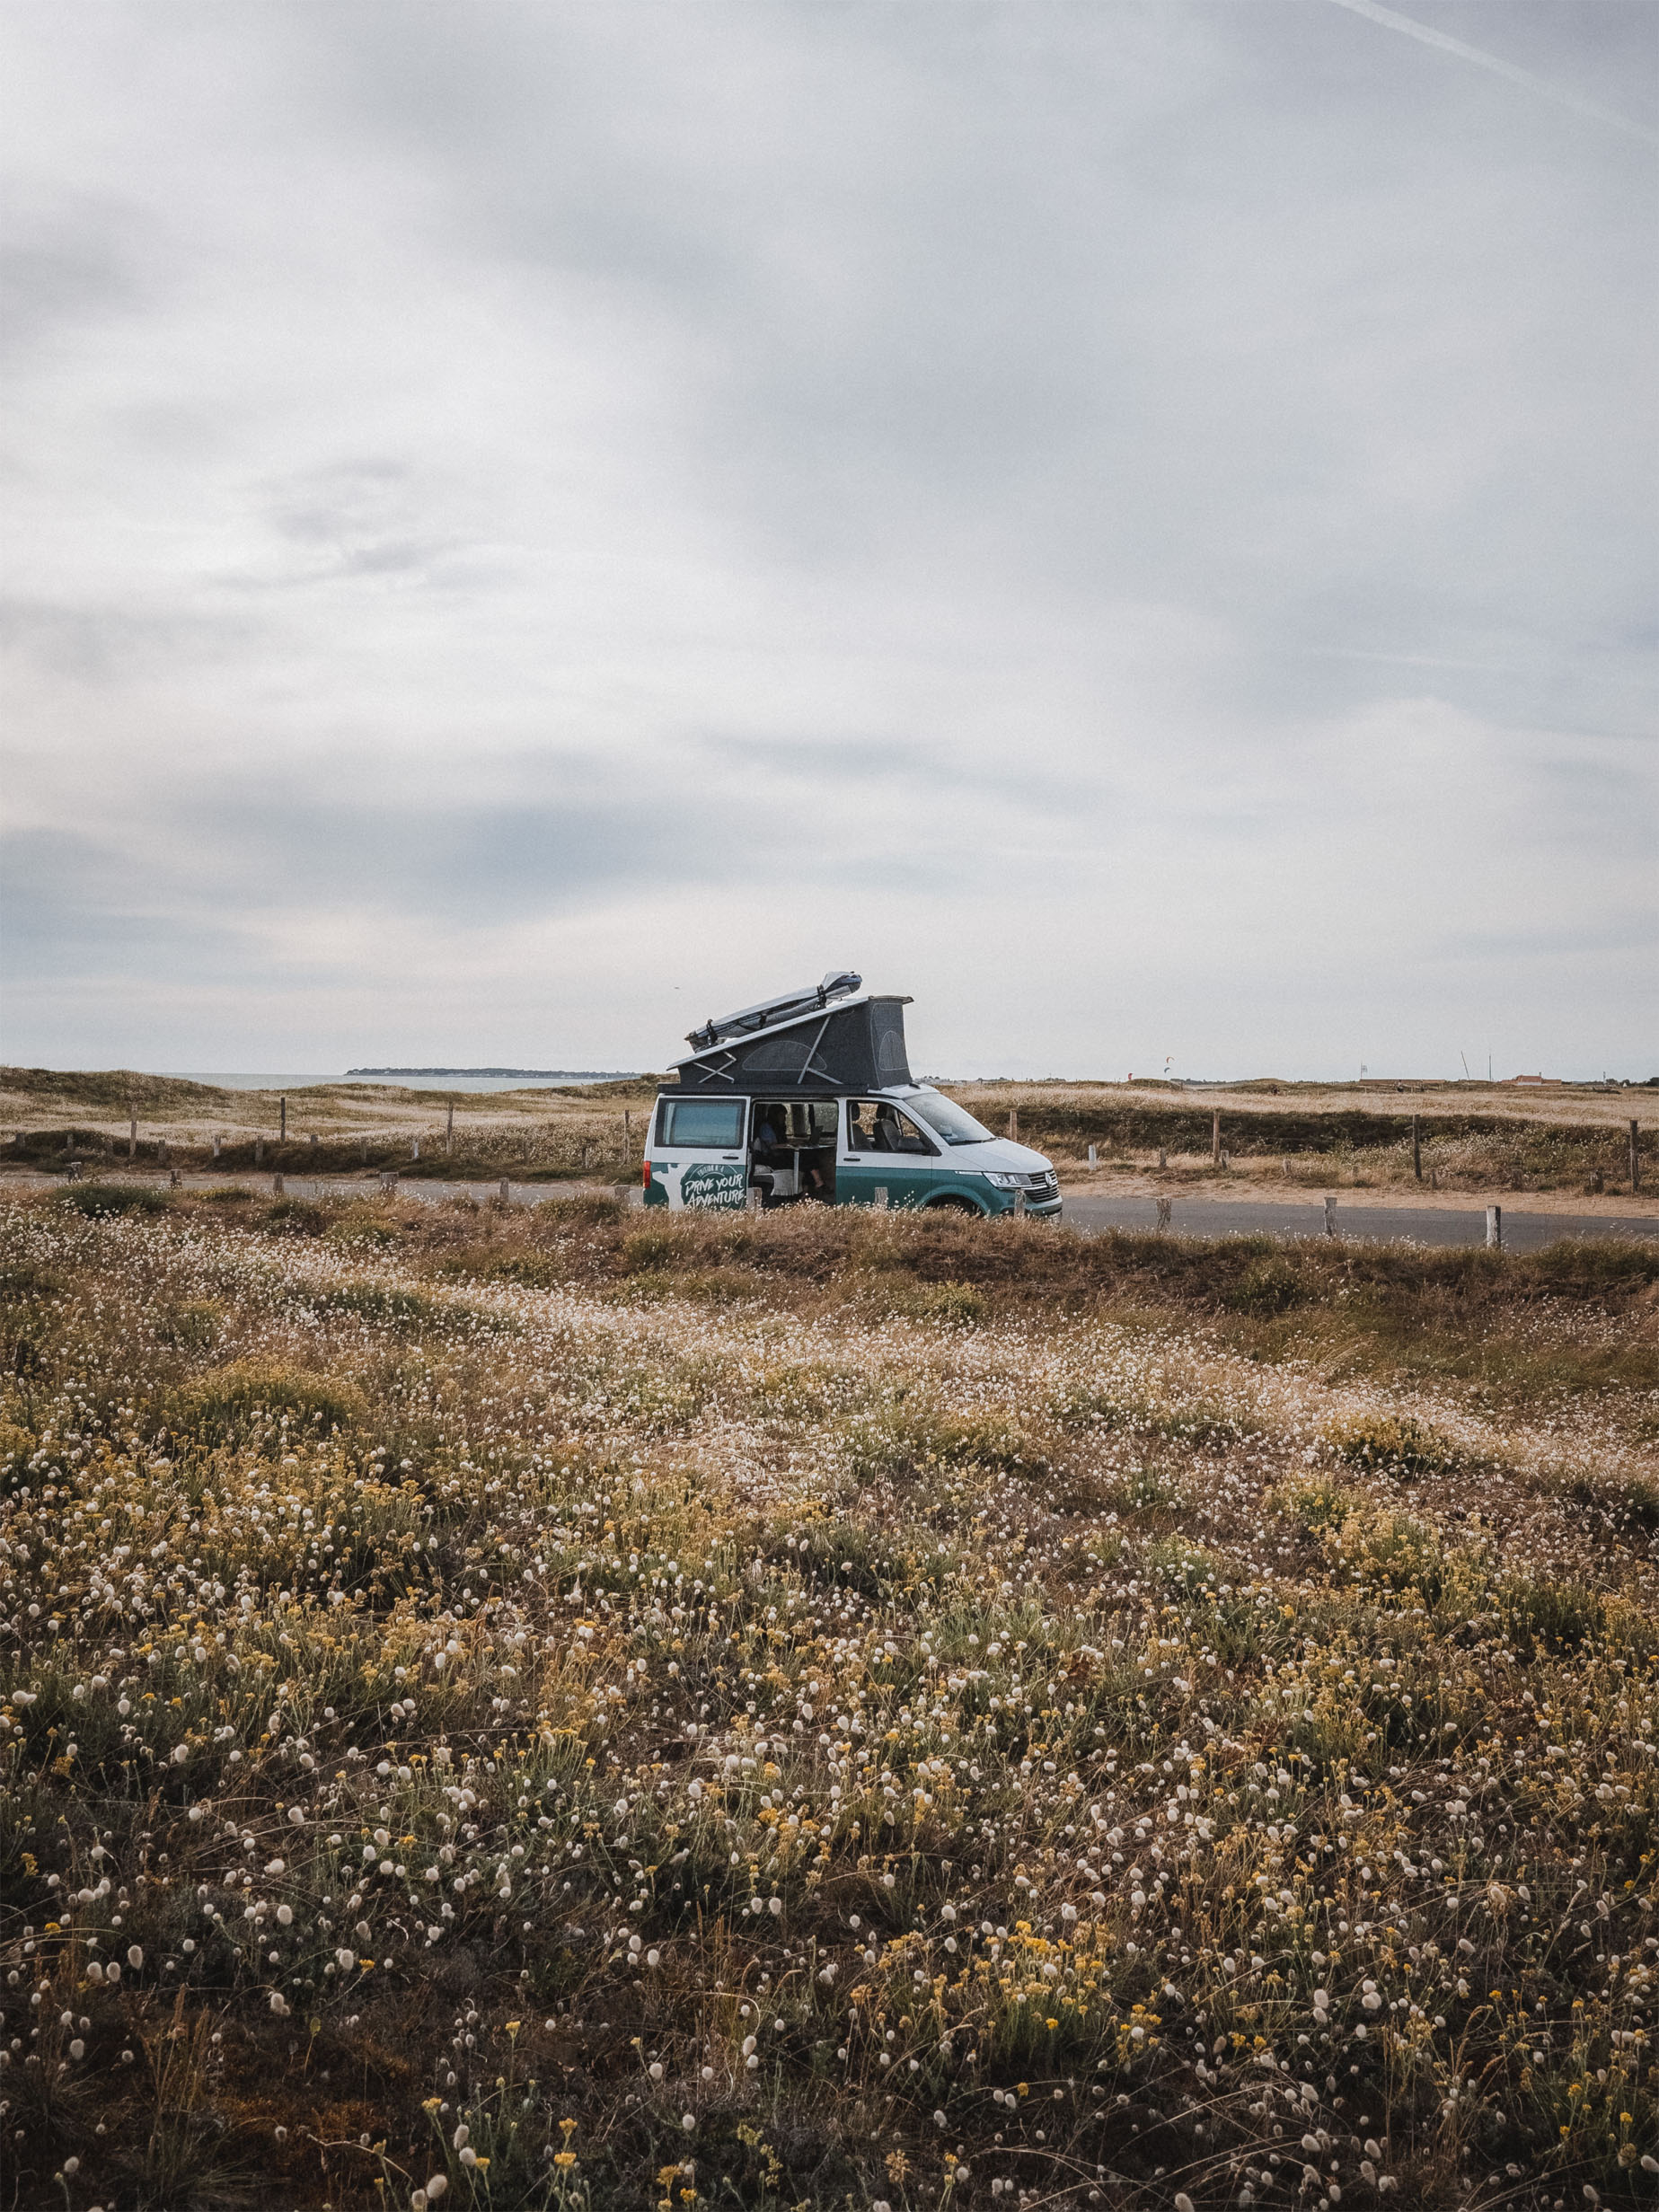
{"x":1204,"y":1217}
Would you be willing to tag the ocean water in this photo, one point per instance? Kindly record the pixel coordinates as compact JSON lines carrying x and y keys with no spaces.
{"x":403,"y":1082}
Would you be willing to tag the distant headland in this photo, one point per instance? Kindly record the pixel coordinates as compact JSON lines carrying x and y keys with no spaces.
{"x":541,"y":1075}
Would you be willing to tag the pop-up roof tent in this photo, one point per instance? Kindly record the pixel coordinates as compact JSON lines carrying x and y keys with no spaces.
{"x":829,"y":1039}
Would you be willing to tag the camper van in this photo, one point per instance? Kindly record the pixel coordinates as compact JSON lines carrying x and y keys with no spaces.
{"x":809,"y":1096}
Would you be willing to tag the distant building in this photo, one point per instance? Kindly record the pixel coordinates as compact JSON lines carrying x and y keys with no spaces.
{"x":1538,"y":1082}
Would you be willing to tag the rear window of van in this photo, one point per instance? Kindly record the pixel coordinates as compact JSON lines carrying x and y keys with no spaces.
{"x":701,"y":1124}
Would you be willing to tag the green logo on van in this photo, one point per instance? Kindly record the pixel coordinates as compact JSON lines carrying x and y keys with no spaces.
{"x":714,"y":1182}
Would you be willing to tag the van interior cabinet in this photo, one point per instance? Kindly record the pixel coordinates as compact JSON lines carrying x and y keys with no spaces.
{"x":792,"y":1150}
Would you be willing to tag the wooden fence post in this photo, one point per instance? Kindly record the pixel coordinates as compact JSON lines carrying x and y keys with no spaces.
{"x":259,"y":1152}
{"x":1163,"y":1158}
{"x":216,"y":1144}
{"x":1636,"y":1161}
{"x":1215,"y":1138}
{"x":1416,"y":1149}
{"x":627,"y":1136}
{"x":449,"y":1130}
{"x":504,"y":1190}
{"x":132,"y":1138}
{"x":1013,"y":1123}
{"x":1494,"y":1228}
{"x":1093,"y":1160}
{"x":1330,"y":1217}
{"x":282,"y":1134}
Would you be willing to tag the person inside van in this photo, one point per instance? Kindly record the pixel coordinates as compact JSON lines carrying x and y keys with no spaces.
{"x":895,"y":1133}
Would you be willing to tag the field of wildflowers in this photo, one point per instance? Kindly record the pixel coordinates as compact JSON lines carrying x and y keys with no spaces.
{"x":550,"y":1709}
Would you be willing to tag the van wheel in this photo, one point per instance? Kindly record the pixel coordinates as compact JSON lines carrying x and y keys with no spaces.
{"x":951,"y":1205}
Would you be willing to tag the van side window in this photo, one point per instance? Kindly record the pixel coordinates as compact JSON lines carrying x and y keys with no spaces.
{"x":701,"y":1124}
{"x":876,"y":1126}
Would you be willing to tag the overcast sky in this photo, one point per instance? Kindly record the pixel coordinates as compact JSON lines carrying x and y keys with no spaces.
{"x":525,"y":525}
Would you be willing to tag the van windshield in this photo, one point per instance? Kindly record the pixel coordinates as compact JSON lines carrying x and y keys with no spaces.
{"x":947,"y":1119}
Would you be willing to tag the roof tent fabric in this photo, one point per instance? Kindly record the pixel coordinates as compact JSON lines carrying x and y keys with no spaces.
{"x":852,"y":1047}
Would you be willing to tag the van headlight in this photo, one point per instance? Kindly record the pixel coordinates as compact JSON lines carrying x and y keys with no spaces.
{"x":1006,"y":1181}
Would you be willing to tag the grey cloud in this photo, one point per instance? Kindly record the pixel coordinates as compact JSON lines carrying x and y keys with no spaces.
{"x":67,"y":262}
{"x":1155,"y":477}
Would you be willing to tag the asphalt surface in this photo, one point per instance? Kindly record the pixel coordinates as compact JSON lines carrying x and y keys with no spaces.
{"x":1441,"y":1225}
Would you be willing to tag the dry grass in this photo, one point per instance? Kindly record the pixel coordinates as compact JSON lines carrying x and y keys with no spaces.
{"x":559,"y":1710}
{"x":1318,"y":1137}
{"x":1302,"y":1136}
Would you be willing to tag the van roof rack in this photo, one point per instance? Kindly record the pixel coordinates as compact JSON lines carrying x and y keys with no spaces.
{"x":837,"y":985}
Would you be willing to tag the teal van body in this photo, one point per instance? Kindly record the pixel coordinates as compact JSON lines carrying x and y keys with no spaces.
{"x":810,"y":1099}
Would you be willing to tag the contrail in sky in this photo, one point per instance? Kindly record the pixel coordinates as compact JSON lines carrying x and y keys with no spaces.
{"x":1391,"y":21}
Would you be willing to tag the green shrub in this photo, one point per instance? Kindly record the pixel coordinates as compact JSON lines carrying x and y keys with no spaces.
{"x":228,"y":1403}
{"x":955,"y":1302}
{"x":1184,"y":1566}
{"x":647,"y":1251}
{"x":1145,"y":1490}
{"x":1268,"y":1286}
{"x":1552,"y":1615}
{"x":296,"y":1216}
{"x":1316,"y":1505}
{"x":1088,"y":1409}
{"x":193,"y":1326}
{"x":912,"y":1440}
{"x":1391,"y":1440}
{"x":537,"y":1270}
{"x":99,"y":1199}
{"x":1390,"y":1555}
{"x":362,"y":1227}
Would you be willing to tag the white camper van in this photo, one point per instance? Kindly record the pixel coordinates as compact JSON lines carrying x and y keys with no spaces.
{"x":808,"y":1096}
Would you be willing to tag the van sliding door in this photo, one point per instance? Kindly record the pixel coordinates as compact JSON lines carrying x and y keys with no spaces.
{"x":698,"y":1153}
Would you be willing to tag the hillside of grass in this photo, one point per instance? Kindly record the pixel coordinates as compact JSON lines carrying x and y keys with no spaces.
{"x":550,"y":1708}
{"x":106,"y":1091}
